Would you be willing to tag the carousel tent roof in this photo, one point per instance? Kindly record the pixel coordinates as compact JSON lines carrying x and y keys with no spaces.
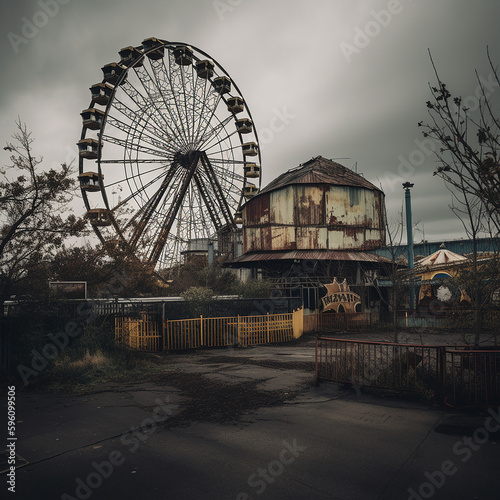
{"x":440,"y":258}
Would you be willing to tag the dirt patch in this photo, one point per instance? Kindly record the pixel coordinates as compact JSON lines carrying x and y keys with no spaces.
{"x":305,"y":366}
{"x":215,"y":401}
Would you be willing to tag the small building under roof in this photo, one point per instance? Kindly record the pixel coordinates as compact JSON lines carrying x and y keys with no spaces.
{"x":313,"y":223}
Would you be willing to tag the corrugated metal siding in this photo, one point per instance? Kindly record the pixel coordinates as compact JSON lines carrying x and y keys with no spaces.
{"x":311,"y":237}
{"x":309,"y":205}
{"x":314,"y":217}
{"x":257,"y":211}
{"x":312,"y":255}
{"x":281,"y":206}
{"x":352,"y":206}
{"x":283,"y":238}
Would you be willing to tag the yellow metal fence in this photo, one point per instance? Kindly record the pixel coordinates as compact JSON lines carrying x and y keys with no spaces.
{"x":149,"y":333}
{"x":142,"y":332}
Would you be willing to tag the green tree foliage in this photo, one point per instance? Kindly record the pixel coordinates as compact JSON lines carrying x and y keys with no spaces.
{"x":199,"y":297}
{"x":254,"y":289}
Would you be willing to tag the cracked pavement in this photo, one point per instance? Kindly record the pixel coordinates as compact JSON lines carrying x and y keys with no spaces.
{"x":245,"y":424}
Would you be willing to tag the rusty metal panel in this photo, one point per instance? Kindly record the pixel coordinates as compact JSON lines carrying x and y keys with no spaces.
{"x":373,"y":238}
{"x":266,"y":242}
{"x":282,"y":238}
{"x":252,"y":239}
{"x":256,"y":211}
{"x":351,"y":206}
{"x":312,"y":255}
{"x":309,"y":202}
{"x":311,"y":237}
{"x":312,"y":217}
{"x":346,"y":238}
{"x":282,"y":206}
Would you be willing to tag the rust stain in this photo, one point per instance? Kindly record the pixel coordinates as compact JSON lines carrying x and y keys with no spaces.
{"x":313,"y":217}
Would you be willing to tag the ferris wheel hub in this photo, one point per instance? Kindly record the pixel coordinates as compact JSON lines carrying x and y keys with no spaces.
{"x":186,"y":160}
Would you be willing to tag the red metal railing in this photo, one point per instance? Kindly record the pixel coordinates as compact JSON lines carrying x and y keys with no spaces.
{"x":472,"y":378}
{"x":458,"y":376}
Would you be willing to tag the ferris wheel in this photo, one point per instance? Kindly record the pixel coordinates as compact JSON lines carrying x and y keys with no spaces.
{"x":168,"y":152}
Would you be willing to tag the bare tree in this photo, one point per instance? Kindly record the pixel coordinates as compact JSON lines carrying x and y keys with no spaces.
{"x":467,"y":142}
{"x":399,"y":288}
{"x":35,"y":217}
{"x":468,"y":155}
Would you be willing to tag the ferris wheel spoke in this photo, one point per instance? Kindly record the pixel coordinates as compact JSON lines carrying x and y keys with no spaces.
{"x":134,"y":117}
{"x":172,"y":210}
{"x":199,"y":106}
{"x":163,"y":82}
{"x":185,"y":93}
{"x":194,"y":102}
{"x":155,"y":98}
{"x":206,"y":116}
{"x":139,"y":160}
{"x":220,"y":151}
{"x":221,"y":141}
{"x":149,"y":208}
{"x":130,"y":130}
{"x":225,"y":161}
{"x":139,"y":174}
{"x":214,"y":132}
{"x":216,"y":187}
{"x":136,"y":193}
{"x":126,"y":144}
{"x":142,"y":103}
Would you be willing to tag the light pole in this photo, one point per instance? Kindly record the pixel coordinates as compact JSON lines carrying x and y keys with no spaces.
{"x":409,"y":237}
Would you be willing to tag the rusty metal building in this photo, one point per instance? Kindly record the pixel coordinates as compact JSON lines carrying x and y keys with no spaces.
{"x":313,"y":223}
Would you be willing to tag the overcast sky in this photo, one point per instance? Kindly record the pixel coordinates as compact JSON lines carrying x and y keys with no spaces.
{"x":336,"y":78}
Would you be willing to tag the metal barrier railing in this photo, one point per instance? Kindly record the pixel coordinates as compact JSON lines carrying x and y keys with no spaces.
{"x":148,"y":332}
{"x":472,"y":378}
{"x":408,"y":367}
{"x":458,"y":376}
{"x":141,"y":332}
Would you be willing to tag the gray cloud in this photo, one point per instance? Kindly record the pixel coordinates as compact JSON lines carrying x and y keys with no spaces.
{"x":282,"y":55}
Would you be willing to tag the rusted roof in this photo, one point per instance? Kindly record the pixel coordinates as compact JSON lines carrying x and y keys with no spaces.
{"x":312,"y":255}
{"x":319,"y":170}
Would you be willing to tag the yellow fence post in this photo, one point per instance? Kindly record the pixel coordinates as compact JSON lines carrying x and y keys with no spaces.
{"x":163,"y":333}
{"x":238,"y":331}
{"x":201,"y":330}
{"x":298,"y":323}
{"x":267,"y":328}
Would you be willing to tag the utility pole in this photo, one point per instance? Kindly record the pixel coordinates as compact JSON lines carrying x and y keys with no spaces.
{"x":409,"y":237}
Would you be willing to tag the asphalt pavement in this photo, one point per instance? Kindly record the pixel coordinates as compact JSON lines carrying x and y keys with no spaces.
{"x":249,"y":424}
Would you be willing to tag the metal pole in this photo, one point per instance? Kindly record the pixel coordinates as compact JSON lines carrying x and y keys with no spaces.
{"x":409,"y":238}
